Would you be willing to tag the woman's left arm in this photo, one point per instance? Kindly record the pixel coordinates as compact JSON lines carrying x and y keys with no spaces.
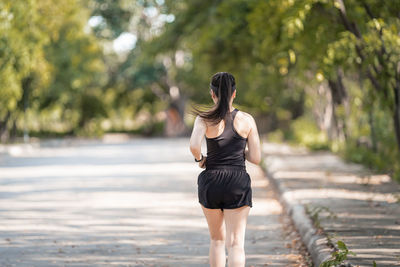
{"x":199,"y":130}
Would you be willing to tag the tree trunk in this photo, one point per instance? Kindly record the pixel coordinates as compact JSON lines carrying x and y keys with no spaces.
{"x":396,"y":111}
{"x":4,"y":134}
{"x":329,"y":119}
{"x":175,"y":125}
{"x":23,"y":105}
{"x":372,"y":128}
{"x":396,"y":121}
{"x":339,"y":97}
{"x":13,"y":131}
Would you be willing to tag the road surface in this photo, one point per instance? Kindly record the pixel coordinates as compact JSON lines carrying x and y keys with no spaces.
{"x":132,"y":203}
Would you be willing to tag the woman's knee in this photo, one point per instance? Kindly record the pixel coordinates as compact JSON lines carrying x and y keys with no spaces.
{"x":235,"y":243}
{"x":217,"y":242}
{"x":218,"y":237}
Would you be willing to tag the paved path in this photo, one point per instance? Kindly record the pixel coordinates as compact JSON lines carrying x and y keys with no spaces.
{"x":366,"y":205}
{"x":125,"y":204}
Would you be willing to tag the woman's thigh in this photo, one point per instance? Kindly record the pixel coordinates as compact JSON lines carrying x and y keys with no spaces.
{"x":236,"y":220}
{"x":215,"y":221}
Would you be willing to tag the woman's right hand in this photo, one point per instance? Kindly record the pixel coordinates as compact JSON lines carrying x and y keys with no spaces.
{"x":202,"y":163}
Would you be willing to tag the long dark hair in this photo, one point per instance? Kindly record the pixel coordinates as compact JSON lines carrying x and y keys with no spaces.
{"x":223,"y":85}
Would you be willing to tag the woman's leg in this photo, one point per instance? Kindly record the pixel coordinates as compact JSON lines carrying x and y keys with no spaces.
{"x":236,"y":220}
{"x":215,"y":221}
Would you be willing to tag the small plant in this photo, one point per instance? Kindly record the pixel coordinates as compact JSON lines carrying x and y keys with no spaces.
{"x":315,"y":211}
{"x":338,"y":256}
{"x":330,"y":238}
{"x":373,"y":264}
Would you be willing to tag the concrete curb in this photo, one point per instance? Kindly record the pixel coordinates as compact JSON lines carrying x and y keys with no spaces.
{"x":317,"y":244}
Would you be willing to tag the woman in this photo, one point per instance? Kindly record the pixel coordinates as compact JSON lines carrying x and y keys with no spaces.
{"x":224,"y":187}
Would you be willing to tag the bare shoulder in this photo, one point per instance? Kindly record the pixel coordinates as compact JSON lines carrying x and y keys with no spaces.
{"x":246,"y":117}
{"x":244,"y":123}
{"x":200,"y":122}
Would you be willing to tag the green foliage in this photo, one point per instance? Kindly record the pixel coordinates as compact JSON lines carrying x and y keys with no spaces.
{"x":305,"y":132}
{"x":276,"y":136}
{"x":50,"y":62}
{"x":324,"y":73}
{"x":21,"y":52}
{"x":77,"y":73}
{"x":153,"y":129}
{"x":90,"y":129}
{"x":314,"y":213}
{"x":382,"y":161}
{"x":114,"y":17}
{"x":338,"y":256}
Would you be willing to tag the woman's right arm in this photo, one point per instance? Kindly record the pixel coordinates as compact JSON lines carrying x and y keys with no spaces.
{"x":253,"y":154}
{"x":199,"y":130}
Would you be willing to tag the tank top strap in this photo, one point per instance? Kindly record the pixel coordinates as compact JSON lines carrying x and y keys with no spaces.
{"x":229,"y":128}
{"x":234,"y":112}
{"x":229,"y":123}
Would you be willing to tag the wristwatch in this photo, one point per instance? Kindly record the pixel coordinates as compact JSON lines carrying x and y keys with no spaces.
{"x":199,"y":159}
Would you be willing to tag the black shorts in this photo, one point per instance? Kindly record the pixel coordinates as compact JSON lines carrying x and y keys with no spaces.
{"x":224,"y":188}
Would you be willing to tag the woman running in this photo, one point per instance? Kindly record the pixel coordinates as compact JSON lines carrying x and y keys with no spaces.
{"x":224,"y":187}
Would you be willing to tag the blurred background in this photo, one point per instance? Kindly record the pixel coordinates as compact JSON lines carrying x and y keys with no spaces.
{"x":320,"y":73}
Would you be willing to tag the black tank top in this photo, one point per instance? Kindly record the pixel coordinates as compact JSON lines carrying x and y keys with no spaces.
{"x":228,"y":149}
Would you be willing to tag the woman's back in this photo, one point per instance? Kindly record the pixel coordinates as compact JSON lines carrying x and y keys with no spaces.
{"x":245,"y":127}
{"x":226,"y":147}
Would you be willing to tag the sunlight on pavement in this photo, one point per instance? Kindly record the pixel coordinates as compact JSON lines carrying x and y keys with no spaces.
{"x":133,"y":204}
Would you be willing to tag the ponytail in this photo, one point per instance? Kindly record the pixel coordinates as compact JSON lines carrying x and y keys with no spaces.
{"x":223,"y":86}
